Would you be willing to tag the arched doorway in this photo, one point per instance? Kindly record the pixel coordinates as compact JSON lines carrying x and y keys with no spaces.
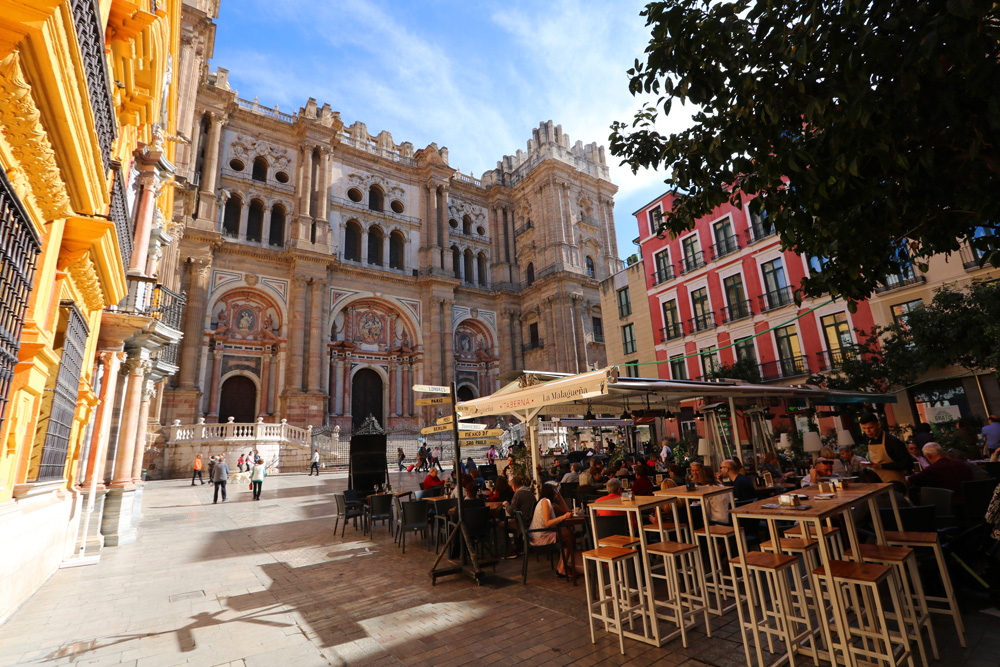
{"x":465,"y":393}
{"x":366,"y":397}
{"x":238,"y":400}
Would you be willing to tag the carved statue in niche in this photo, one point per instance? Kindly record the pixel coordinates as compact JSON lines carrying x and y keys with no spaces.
{"x":369,"y":327}
{"x":246,"y":320}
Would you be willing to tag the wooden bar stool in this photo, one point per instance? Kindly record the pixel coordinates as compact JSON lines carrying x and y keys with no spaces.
{"x":719,"y":581}
{"x":808,"y":552}
{"x":615,"y":592}
{"x":684,"y":575}
{"x":771,"y":580}
{"x":937,"y":605}
{"x":857,"y":587}
{"x":907,"y":579}
{"x":664,"y":526}
{"x":831,"y":533}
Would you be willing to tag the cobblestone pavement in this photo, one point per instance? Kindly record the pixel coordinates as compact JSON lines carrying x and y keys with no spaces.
{"x":269,"y":583}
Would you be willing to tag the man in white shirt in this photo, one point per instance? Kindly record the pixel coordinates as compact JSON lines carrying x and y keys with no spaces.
{"x":823,"y":469}
{"x":666,"y":453}
{"x":573,"y":475}
{"x":315,"y":463}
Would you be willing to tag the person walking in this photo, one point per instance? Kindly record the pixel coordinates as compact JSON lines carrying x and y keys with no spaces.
{"x":197,"y":470}
{"x":211,"y":470}
{"x":436,"y":459}
{"x":257,"y":476}
{"x":220,"y":475}
{"x":239,"y":464}
{"x":400,"y":458}
{"x":315,"y":463}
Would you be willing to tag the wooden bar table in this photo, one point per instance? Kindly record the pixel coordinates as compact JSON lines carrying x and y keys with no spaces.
{"x":636,"y":506}
{"x":701,"y":494}
{"x":816,"y":509}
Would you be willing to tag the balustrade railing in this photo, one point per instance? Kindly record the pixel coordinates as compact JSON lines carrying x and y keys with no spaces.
{"x":231,"y":432}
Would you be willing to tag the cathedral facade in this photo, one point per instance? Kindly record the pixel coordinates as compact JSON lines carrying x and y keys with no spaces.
{"x":328,"y":269}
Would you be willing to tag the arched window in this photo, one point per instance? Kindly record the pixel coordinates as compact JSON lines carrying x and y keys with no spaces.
{"x":352,"y":241}
{"x":259,"y":169}
{"x":481,"y":261}
{"x":591,"y":272}
{"x":397,"y":248}
{"x":456,"y":260}
{"x":375,"y":238}
{"x":231,"y":217}
{"x":376,"y":198}
{"x":529,"y":273}
{"x":277,"y":234}
{"x":469,"y":270}
{"x":466,"y":225}
{"x":255,"y":220}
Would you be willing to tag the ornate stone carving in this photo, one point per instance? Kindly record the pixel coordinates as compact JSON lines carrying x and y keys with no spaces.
{"x":20,"y":120}
{"x":84,"y":275}
{"x":365,"y":181}
{"x":459,"y":209}
{"x":250,"y":147}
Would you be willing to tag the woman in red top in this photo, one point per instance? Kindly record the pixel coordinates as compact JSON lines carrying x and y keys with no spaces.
{"x":432,"y":480}
{"x":642,"y":486}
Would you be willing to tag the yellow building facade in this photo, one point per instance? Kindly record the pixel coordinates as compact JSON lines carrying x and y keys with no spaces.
{"x":87,"y":109}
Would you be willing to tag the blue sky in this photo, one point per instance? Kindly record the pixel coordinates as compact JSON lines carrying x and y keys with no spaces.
{"x":473,"y":76}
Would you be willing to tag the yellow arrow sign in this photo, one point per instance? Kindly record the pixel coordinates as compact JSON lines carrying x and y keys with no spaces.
{"x":431,"y":389}
{"x":427,"y":430}
{"x":488,"y":433}
{"x":445,"y":420}
{"x":482,"y":442}
{"x":441,"y":400}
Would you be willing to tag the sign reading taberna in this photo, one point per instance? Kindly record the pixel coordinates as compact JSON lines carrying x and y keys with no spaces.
{"x":577,"y":387}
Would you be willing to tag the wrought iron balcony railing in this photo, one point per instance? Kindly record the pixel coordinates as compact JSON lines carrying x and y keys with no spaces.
{"x":757,"y":232}
{"x":662,"y":275}
{"x":120,"y":216}
{"x":831,"y":360}
{"x":779,"y":298}
{"x":147,"y":297}
{"x":740,"y":310}
{"x":533,"y":345}
{"x":523,"y":228}
{"x":90,"y":35}
{"x":899,"y":282}
{"x":725,"y":246}
{"x":671,"y":332}
{"x":701,"y":323}
{"x":784,"y":368}
{"x":692,"y":262}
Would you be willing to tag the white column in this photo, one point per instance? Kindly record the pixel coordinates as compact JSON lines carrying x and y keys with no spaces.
{"x":339,"y":381}
{"x":364,"y":246}
{"x":265,"y":234}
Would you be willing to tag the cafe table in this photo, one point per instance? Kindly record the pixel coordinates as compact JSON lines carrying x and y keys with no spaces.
{"x":816,"y":509}
{"x":637,"y":506}
{"x":701,"y":494}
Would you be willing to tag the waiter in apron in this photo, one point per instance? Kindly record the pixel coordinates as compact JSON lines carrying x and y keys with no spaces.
{"x":887,"y":453}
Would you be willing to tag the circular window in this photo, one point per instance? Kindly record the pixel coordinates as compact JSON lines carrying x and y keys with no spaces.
{"x":453,"y":223}
{"x":281,"y":177}
{"x":396,"y":206}
{"x":236,"y":165}
{"x":355,"y":195}
{"x":480,"y":231}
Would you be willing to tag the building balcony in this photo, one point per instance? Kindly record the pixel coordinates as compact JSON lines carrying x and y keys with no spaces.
{"x":777,"y":299}
{"x":523,"y":228}
{"x":692,"y":262}
{"x":784,"y":368}
{"x":119,"y":215}
{"x":90,"y":34}
{"x":726,"y":246}
{"x":149,"y":316}
{"x":701,"y":323}
{"x":734,"y":312}
{"x":970,"y":257}
{"x":895,"y":282}
{"x":537,"y":344}
{"x":599,"y":337}
{"x":831,"y":360}
{"x":757,"y":232}
{"x":671,"y":332}
{"x":662,"y":275}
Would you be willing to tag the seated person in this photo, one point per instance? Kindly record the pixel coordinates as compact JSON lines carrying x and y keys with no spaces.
{"x":743,"y":488}
{"x":523,"y":500}
{"x":501,"y":491}
{"x":642,"y":486}
{"x":668,"y":483}
{"x":847,"y":464}
{"x":676,"y":475}
{"x":719,"y":504}
{"x":545,"y":516}
{"x":432,"y":479}
{"x":469,"y":465}
{"x":914,"y":449}
{"x":573,"y":475}
{"x":822,"y":469}
{"x":773,"y":466}
{"x":471,"y":490}
{"x":943,"y":472}
{"x":614,"y":491}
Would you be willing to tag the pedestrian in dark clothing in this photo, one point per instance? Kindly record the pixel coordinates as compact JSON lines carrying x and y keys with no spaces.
{"x":219,"y":476}
{"x":400,"y":458}
{"x":211,"y":470}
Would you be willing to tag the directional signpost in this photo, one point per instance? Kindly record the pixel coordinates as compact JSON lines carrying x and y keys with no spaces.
{"x":477,"y":433}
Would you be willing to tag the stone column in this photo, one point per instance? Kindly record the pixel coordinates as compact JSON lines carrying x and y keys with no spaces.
{"x":279,"y":367}
{"x":265,"y":234}
{"x":393,"y":388}
{"x":364,"y":246}
{"x":297,"y":342}
{"x":346,"y":395}
{"x":307,"y":184}
{"x":142,"y":432}
{"x":316,"y":337}
{"x":200,"y":270}
{"x":331,"y":400}
{"x":265,"y":381}
{"x":323,"y":196}
{"x":337,"y":398}
{"x":443,"y":217}
{"x":448,"y":341}
{"x":111,"y":361}
{"x":475,"y":271}
{"x":407,"y":384}
{"x":213,"y":382}
{"x":518,"y":343}
{"x":244,"y":215}
{"x":144,"y":215}
{"x":136,"y":369}
{"x":385,"y":249}
{"x":211,"y":165}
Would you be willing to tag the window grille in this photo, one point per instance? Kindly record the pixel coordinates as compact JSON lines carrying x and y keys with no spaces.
{"x":120,"y":215}
{"x":19,"y":248}
{"x":65,"y":395}
{"x":90,"y":34}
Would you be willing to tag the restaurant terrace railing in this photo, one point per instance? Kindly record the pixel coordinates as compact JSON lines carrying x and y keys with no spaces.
{"x":90,"y":35}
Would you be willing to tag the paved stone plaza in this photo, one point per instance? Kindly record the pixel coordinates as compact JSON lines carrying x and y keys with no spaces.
{"x":268,"y":583}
